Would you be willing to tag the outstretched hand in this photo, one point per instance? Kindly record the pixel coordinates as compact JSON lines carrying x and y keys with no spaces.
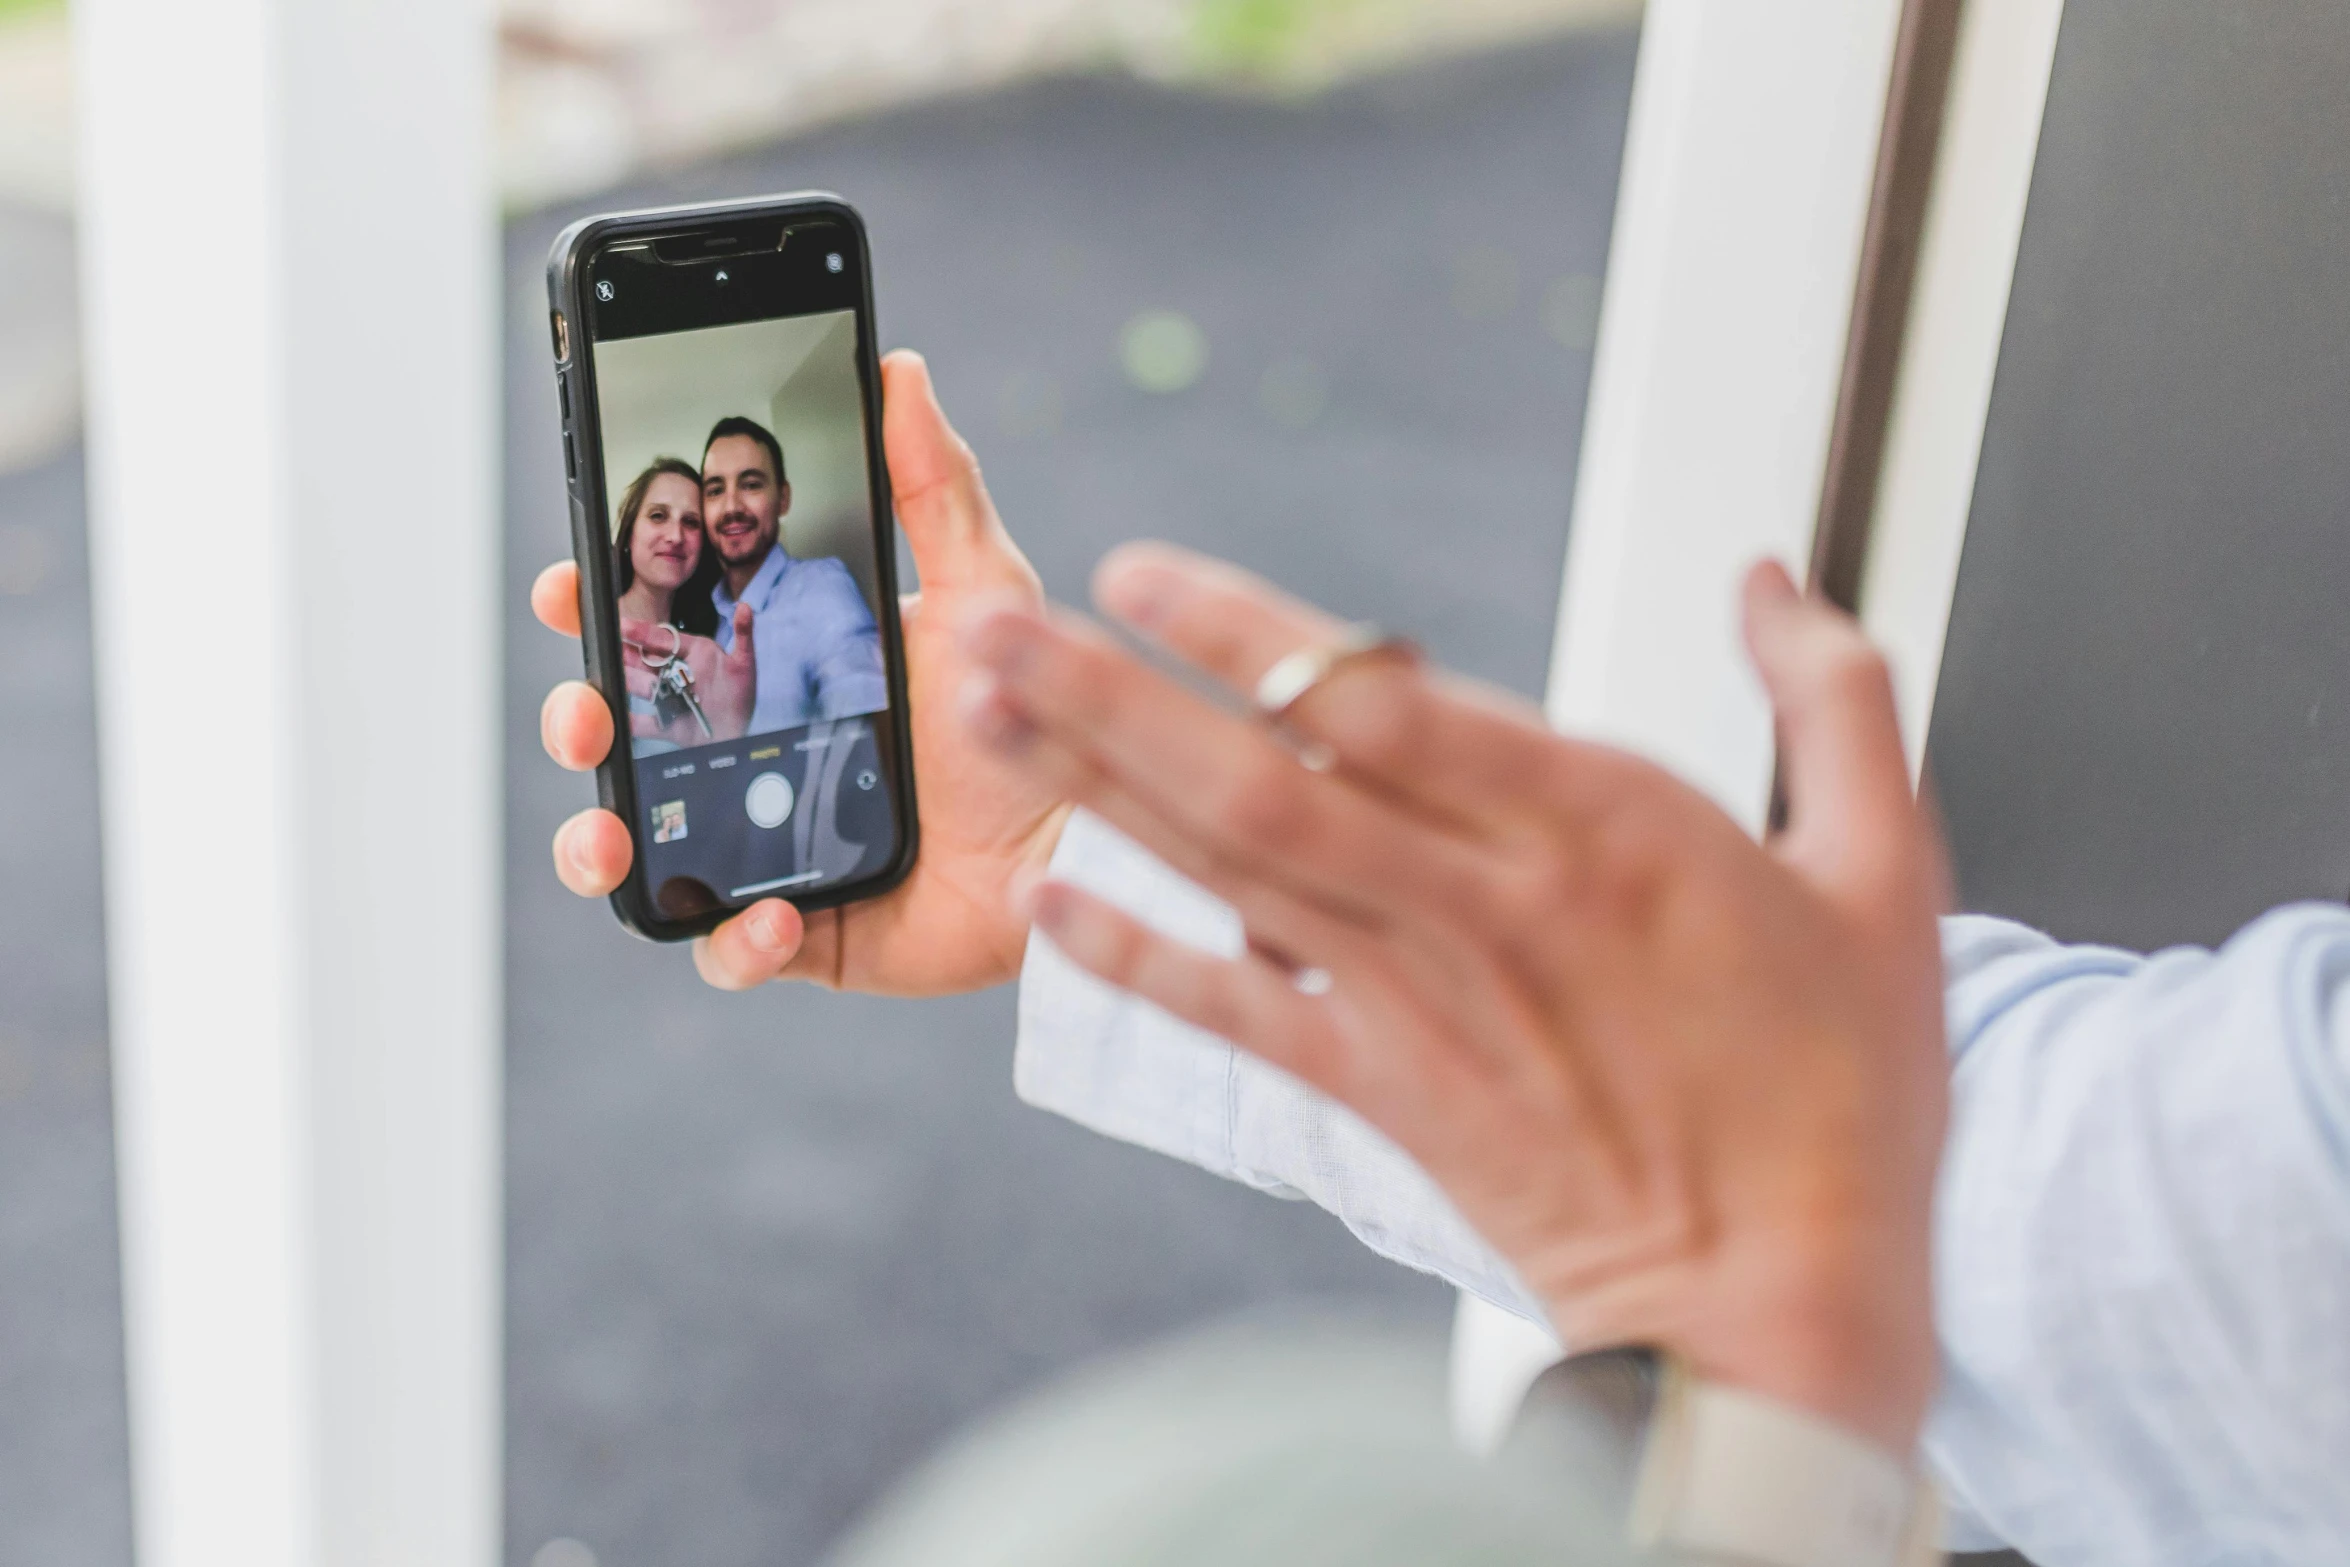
{"x":949,"y":926}
{"x":725,"y":681}
{"x":1693,"y":1087}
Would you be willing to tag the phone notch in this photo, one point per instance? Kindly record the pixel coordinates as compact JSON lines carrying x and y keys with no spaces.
{"x":700,"y":245}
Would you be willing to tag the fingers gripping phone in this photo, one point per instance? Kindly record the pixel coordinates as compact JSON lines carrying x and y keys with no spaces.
{"x":721,"y":404}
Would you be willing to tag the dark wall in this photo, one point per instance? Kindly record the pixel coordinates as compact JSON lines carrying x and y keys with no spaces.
{"x":2143,"y":728}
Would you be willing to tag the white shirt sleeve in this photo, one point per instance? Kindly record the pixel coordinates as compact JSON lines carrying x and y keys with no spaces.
{"x":2142,"y":1246}
{"x":1128,"y":1070}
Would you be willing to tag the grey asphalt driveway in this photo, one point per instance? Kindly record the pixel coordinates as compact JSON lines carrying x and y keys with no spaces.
{"x":766,"y":1251}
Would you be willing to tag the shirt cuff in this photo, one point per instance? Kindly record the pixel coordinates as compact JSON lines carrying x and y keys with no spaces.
{"x":1128,"y":1070}
{"x":1107,"y":1060}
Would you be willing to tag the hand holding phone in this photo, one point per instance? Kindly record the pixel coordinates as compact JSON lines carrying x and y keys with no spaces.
{"x":948,"y":927}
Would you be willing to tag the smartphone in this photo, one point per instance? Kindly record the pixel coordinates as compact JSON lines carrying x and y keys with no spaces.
{"x":721,"y":401}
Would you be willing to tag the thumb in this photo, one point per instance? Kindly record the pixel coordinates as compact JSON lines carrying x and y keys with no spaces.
{"x":942,"y":503}
{"x":745,"y":653}
{"x":1852,"y":822}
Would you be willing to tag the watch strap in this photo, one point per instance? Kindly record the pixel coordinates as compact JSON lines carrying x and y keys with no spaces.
{"x":1731,"y":1476}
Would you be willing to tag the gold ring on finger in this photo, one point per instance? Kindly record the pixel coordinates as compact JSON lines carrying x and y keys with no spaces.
{"x":1294,"y":675}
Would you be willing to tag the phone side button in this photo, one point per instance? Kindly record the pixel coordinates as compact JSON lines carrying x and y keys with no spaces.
{"x":592,"y":643}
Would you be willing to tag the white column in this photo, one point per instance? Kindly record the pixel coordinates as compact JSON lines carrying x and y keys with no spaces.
{"x":289,"y":239}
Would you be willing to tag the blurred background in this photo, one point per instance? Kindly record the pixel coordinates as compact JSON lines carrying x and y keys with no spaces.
{"x":1310,"y":283}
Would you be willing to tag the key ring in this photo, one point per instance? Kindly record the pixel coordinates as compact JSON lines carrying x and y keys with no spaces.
{"x":676,"y":646}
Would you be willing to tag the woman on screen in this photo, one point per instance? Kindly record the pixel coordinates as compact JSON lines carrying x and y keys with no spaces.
{"x":682,"y":688}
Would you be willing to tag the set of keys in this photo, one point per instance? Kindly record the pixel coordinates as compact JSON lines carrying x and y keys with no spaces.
{"x":673,"y":682}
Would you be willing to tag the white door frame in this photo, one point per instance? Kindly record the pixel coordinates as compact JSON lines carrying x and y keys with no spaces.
{"x":289,"y":242}
{"x":1748,"y":175}
{"x":1966,"y":264}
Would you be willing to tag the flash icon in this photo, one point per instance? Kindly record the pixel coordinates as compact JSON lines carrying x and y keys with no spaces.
{"x":604,"y":291}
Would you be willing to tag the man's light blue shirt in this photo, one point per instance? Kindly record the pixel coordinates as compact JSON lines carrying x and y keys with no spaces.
{"x":819,"y":648}
{"x":2142,"y":1246}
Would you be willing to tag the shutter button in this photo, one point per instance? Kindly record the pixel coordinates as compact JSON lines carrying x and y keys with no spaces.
{"x":768,"y":800}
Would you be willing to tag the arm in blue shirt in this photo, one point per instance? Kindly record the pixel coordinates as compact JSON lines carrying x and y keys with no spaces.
{"x":844,"y":667}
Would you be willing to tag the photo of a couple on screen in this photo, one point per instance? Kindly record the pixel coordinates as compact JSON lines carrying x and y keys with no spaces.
{"x":743,"y":560}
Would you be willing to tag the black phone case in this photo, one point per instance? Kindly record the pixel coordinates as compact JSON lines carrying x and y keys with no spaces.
{"x":599,"y":621}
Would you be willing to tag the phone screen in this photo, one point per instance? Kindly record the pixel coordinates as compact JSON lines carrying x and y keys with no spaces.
{"x":745,"y":566}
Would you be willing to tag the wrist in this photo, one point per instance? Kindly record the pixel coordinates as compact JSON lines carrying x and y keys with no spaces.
{"x":1855,"y":1347}
{"x":1836,"y":1364}
{"x":1713,"y":1472}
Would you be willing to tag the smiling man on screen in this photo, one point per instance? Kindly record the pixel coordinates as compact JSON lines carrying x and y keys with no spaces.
{"x":819,"y":648}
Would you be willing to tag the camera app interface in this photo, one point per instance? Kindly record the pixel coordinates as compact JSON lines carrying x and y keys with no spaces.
{"x":744,"y":562}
